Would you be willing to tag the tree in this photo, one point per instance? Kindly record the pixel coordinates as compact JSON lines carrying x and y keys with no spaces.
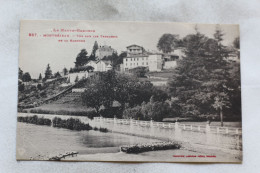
{"x":48,"y":72}
{"x":57,"y":75}
{"x":220,"y":102}
{"x":21,"y":87}
{"x":27,"y":77}
{"x":111,"y":86}
{"x":76,"y":79}
{"x":139,"y":71}
{"x":20,"y":74}
{"x":218,"y":35}
{"x":194,"y":44}
{"x":81,"y":58}
{"x":65,"y":71}
{"x":71,"y":70}
{"x":236,"y":43}
{"x":155,"y":110}
{"x":167,"y":43}
{"x":134,"y":113}
{"x":93,"y":53}
{"x":201,"y":82}
{"x":40,"y":76}
{"x":93,"y":96}
{"x":120,"y":58}
{"x":39,"y":87}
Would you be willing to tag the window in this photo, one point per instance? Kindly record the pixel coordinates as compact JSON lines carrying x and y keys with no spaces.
{"x":131,"y":59}
{"x":136,"y":63}
{"x":130,"y":63}
{"x":142,"y":63}
{"x":125,"y":64}
{"x":147,"y":63}
{"x":143,"y":58}
{"x":126,"y":59}
{"x":134,"y":59}
{"x":146,"y":58}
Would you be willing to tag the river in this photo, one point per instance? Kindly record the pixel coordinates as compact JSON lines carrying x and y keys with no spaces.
{"x":42,"y":142}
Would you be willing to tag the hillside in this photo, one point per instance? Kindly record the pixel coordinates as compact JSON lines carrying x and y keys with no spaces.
{"x":35,"y":94}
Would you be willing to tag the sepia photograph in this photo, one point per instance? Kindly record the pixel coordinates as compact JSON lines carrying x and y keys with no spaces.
{"x":129,"y":92}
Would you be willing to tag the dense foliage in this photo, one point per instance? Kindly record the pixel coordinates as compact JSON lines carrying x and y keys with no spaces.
{"x":111,"y":86}
{"x":139,"y":71}
{"x":155,"y":110}
{"x":71,"y":123}
{"x":205,"y":83}
{"x":167,"y":43}
{"x":82,"y":58}
{"x":34,"y":120}
{"x":139,"y":148}
{"x":48,"y":72}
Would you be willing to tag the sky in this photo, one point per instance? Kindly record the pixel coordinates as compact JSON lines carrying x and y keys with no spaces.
{"x":37,"y":52}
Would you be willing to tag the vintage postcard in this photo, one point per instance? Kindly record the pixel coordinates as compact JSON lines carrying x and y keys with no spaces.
{"x":129,"y":92}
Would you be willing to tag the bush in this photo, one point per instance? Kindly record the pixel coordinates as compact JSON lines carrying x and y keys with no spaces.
{"x":139,"y":71}
{"x":151,"y":110}
{"x":139,"y":148}
{"x":71,"y":123}
{"x":134,"y":112}
{"x":39,"y":87}
{"x":35,"y":120}
{"x":111,"y":112}
{"x":100,"y":129}
{"x":103,"y":129}
{"x":155,"y":110}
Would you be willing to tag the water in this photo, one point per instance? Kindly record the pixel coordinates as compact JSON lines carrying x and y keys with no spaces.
{"x":41,"y":142}
{"x":97,"y":142}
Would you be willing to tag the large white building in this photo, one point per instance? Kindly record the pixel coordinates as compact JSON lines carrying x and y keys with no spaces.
{"x":138,"y":57}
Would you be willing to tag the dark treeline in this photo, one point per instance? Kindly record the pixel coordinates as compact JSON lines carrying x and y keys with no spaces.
{"x":71,"y":123}
{"x":75,"y":124}
{"x":35,"y":120}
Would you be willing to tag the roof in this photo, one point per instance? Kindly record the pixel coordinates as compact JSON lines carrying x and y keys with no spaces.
{"x":136,"y":55}
{"x":134,"y":45}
